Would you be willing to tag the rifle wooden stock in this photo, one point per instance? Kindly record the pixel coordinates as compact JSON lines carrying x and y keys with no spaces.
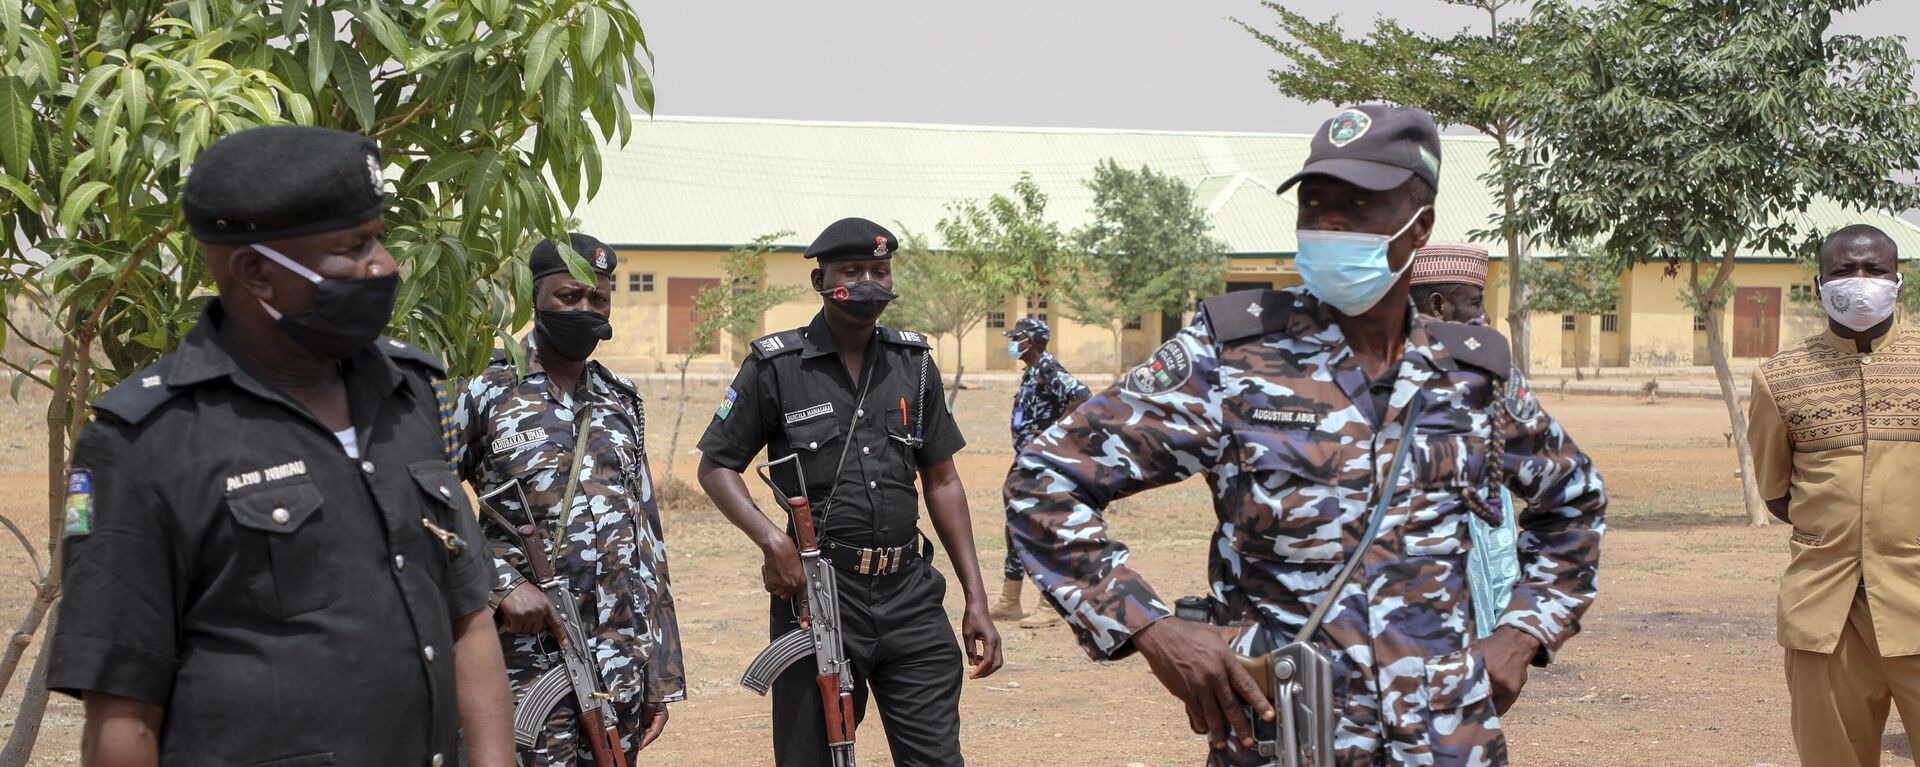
{"x":603,"y":739}
{"x":838,"y":707}
{"x":1261,"y":671}
{"x":805,"y":537}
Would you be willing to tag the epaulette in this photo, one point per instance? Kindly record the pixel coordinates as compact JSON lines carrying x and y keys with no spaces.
{"x":1476,"y":345}
{"x":619,"y":382}
{"x":776,"y":344}
{"x":141,"y":394}
{"x":1247,"y":314}
{"x":905,"y":337}
{"x":401,"y":352}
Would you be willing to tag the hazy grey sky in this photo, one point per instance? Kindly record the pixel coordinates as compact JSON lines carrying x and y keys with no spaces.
{"x":1167,"y":64}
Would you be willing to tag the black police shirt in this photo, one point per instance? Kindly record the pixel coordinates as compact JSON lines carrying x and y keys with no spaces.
{"x":793,"y":395}
{"x":227,"y":559}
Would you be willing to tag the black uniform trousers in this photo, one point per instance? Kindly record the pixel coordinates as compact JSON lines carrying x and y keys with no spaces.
{"x":902,"y":651}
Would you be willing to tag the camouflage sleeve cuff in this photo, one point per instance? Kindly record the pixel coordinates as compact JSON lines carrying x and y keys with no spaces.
{"x":1544,"y":655}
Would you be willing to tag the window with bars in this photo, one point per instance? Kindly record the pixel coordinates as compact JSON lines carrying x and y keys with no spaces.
{"x":1132,"y":324}
{"x":1802,"y":294}
{"x":997,"y":320}
{"x":640,"y":283}
{"x":1699,"y":322}
{"x":1037,"y":308}
{"x":1609,"y":323}
{"x":1567,"y":322}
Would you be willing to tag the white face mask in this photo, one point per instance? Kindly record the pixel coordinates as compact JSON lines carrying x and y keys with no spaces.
{"x":1860,"y":302}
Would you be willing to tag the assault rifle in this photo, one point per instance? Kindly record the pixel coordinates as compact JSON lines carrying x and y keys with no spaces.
{"x":578,"y":675}
{"x":819,"y":632}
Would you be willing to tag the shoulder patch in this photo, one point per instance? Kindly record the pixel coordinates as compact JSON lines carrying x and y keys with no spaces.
{"x":1247,"y":314}
{"x":1168,"y":369}
{"x":770,"y":346}
{"x":1476,"y":345}
{"x":905,"y":337}
{"x":1517,"y":397}
{"x":400,"y":351}
{"x":141,"y":394}
{"x":79,"y":515}
{"x":620,"y":382}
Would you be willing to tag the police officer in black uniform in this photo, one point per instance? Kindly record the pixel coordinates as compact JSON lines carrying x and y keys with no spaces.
{"x":268,"y":557}
{"x":863,"y":407}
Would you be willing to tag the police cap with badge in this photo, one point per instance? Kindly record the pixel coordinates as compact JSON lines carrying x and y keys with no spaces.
{"x":546,"y":259}
{"x":1375,"y":147}
{"x":855,"y":239}
{"x":281,"y":182}
{"x":1030,"y":327}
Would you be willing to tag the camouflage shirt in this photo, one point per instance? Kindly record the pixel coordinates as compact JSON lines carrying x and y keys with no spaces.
{"x":1263,"y":394}
{"x":514,"y":427}
{"x":1046,"y":389}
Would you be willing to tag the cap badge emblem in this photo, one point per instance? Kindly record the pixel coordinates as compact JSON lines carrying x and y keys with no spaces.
{"x":373,"y":172}
{"x":1347,"y":127}
{"x":600,"y":257}
{"x":879,"y":246}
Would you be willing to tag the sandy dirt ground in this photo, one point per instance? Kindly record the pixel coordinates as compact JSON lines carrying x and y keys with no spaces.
{"x":1677,"y":665}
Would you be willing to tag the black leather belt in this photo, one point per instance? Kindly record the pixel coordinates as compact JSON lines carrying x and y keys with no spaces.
{"x":882,"y":561}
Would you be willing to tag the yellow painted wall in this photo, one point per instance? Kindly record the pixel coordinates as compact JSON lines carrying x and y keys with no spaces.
{"x":1655,"y":327}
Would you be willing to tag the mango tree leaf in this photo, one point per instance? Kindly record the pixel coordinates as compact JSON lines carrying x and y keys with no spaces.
{"x":133,"y":83}
{"x":542,"y":51}
{"x":22,"y":192}
{"x":356,"y":84}
{"x":77,"y":203}
{"x":16,"y":126}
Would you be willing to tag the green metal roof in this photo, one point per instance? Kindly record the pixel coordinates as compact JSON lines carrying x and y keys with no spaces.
{"x":711,"y":183}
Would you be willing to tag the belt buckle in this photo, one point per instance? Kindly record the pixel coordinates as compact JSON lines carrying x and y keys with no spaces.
{"x":880,"y":567}
{"x":866,"y":561}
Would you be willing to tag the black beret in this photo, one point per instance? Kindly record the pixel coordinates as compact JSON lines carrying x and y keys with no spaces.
{"x":853,"y":238}
{"x":546,"y":258}
{"x":280,"y":182}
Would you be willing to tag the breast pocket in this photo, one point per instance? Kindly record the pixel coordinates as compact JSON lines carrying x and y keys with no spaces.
{"x":1294,"y":498}
{"x":446,"y":507}
{"x":1446,"y":469}
{"x":282,"y":530}
{"x":815,"y":436}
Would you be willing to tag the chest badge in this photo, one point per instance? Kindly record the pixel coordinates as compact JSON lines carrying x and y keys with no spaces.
{"x":521,"y":439}
{"x":809,"y":414}
{"x":1305,"y":418}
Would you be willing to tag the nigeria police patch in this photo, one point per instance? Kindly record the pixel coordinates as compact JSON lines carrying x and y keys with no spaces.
{"x":1518,"y":399}
{"x":79,"y":517}
{"x":1167,"y":370}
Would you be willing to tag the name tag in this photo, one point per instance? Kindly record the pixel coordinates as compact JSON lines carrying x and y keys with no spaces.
{"x":522,"y":439}
{"x":1286,"y":417}
{"x":810,"y":413}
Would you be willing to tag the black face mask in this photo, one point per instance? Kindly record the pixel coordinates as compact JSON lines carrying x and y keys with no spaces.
{"x":865,"y":300}
{"x":573,"y":334}
{"x":344,"y":316}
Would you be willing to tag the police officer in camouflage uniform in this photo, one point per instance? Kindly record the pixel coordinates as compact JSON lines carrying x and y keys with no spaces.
{"x":1291,"y":401}
{"x":525,"y":427}
{"x":268,"y":559}
{"x":1047,"y":391}
{"x":861,"y":406}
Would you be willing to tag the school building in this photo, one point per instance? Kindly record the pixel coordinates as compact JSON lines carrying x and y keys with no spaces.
{"x":685,"y":191}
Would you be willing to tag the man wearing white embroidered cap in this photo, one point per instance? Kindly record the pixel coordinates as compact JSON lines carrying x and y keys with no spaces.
{"x":1836,"y":437}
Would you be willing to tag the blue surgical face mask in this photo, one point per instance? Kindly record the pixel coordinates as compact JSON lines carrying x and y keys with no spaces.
{"x":1349,"y":270}
{"x":1013,"y":349}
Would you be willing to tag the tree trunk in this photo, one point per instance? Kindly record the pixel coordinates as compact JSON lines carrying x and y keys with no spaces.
{"x":1757,"y":514}
{"x":23,"y":636}
{"x":959,"y":367}
{"x":1119,"y":351}
{"x":673,"y":443}
{"x":1519,"y":320}
{"x":33,"y":708}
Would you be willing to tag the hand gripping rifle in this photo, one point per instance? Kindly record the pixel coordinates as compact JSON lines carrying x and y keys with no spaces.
{"x":1298,"y":678}
{"x":819,"y":632}
{"x":578,"y":675}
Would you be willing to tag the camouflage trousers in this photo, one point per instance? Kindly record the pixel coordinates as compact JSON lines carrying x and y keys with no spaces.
{"x":1011,"y":568}
{"x":559,"y":743}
